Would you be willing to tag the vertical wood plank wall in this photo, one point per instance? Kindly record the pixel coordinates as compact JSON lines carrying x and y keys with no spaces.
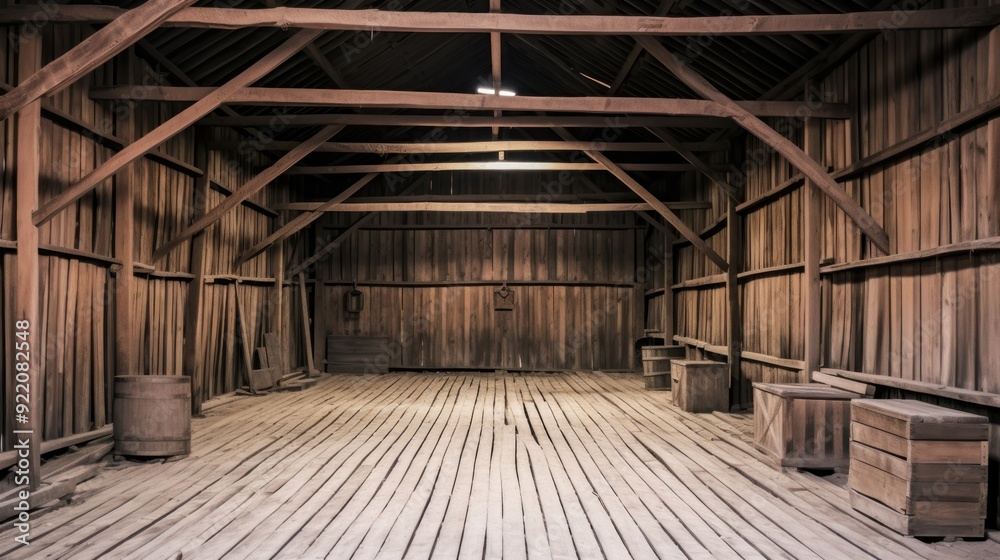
{"x":934,"y":320}
{"x":78,"y":264}
{"x":581,"y":307}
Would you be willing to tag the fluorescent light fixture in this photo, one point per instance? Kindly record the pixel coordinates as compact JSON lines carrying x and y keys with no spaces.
{"x":491,"y":91}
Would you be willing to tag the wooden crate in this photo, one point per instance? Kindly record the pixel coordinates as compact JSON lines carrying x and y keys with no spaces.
{"x":656,"y":365}
{"x":804,"y":425}
{"x":919,"y":469}
{"x":700,"y":386}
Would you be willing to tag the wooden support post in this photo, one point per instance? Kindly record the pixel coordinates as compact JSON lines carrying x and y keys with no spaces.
{"x":306,"y":335}
{"x":276,"y":309}
{"x":668,"y":292}
{"x":812,"y":225}
{"x":738,"y":394}
{"x":125,"y":184}
{"x":194,"y":350}
{"x":29,"y":122}
{"x":320,"y":310}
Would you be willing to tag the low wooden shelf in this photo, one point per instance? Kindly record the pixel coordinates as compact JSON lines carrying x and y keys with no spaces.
{"x":803,"y":425}
{"x":918,"y":468}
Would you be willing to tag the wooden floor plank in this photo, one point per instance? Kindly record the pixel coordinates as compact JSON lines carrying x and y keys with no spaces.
{"x":425,"y":466}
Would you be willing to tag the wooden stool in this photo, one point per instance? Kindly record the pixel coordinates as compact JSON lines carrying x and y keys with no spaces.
{"x":919,"y":469}
{"x":803,"y":425}
{"x":700,"y":386}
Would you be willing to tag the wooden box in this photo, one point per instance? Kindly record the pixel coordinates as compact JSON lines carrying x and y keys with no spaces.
{"x":656,"y":365}
{"x":804,"y":425}
{"x":919,"y":469}
{"x":700,"y":386}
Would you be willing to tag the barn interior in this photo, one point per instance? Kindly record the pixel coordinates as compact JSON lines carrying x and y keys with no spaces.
{"x":500,"y":279}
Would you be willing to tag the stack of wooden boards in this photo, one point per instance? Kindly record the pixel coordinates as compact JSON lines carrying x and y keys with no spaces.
{"x":803,"y":425}
{"x":919,"y":469}
{"x":358,"y":354}
{"x":656,"y":365}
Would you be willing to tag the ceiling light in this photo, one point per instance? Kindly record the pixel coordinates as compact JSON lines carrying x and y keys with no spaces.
{"x":491,"y":91}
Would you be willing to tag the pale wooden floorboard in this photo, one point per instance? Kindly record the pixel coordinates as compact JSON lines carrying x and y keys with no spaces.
{"x":466,"y":466}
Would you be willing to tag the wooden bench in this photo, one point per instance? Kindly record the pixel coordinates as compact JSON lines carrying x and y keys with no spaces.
{"x":803,"y":425}
{"x":918,"y":468}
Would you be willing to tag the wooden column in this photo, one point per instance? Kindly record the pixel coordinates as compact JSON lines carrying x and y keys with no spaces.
{"x":276,"y":303}
{"x":193,"y":344}
{"x":125,"y":183}
{"x":668,"y":292}
{"x":320,"y":308}
{"x":29,"y":121}
{"x":738,"y":395}
{"x":813,"y":224}
{"x":306,"y":335}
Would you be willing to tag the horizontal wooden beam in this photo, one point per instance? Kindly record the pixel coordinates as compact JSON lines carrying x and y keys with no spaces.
{"x":990,"y":244}
{"x":701,"y":344}
{"x":785,"y":363}
{"x":127,"y":27}
{"x":715,"y":280}
{"x":467,"y":121}
{"x":541,"y":24}
{"x":964,"y":395}
{"x":496,"y":207}
{"x":503,"y":166}
{"x":388,"y":99}
{"x":496,"y":199}
{"x":480,"y":147}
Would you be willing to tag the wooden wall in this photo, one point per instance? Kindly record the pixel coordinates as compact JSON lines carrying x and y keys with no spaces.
{"x":78,"y":263}
{"x":429,"y":281}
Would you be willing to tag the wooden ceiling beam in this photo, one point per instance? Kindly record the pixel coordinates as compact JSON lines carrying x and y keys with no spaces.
{"x":539,"y":24}
{"x":807,"y":165}
{"x":486,"y":200}
{"x":443,"y":121}
{"x":655,"y":204}
{"x":303,"y":220}
{"x":173,"y":126}
{"x":503,"y":166}
{"x":248,"y":189}
{"x":478,"y":102}
{"x":120,"y":33}
{"x":626,"y":69}
{"x":480,"y":147}
{"x":393,"y":204}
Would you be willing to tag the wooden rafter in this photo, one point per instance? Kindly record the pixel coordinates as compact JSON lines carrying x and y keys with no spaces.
{"x":250,"y":188}
{"x":541,"y":24}
{"x":655,"y":204}
{"x":443,"y":121}
{"x":782,"y":145}
{"x":661,"y":10}
{"x":344,"y":235}
{"x":483,"y":147}
{"x":478,"y":102}
{"x":704,"y":168}
{"x":126,"y":28}
{"x":598,"y":196}
{"x":395,"y":205}
{"x":301,"y":221}
{"x":212,"y":98}
{"x":481,"y":166}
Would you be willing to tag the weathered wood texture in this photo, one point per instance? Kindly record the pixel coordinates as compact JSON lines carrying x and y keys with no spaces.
{"x":927,"y":319}
{"x":75,"y":335}
{"x":433,"y":302}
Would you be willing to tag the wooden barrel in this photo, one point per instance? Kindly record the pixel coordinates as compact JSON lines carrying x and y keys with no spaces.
{"x":656,"y":365}
{"x":152,"y":415}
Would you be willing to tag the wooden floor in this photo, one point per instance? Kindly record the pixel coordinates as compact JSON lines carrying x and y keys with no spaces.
{"x":466,"y":466}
